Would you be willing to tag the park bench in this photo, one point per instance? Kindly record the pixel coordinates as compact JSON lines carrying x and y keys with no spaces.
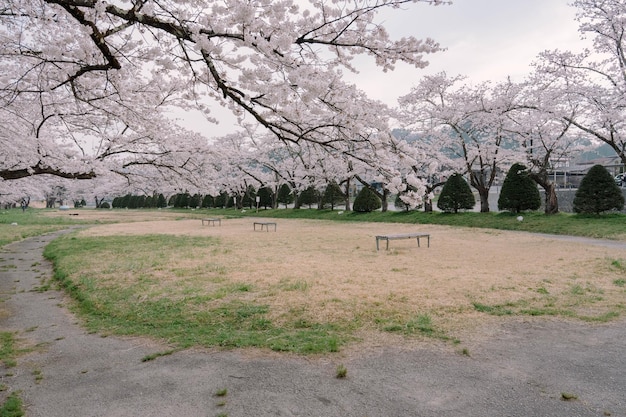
{"x":265,"y":224}
{"x":212,"y":222}
{"x":402,"y":236}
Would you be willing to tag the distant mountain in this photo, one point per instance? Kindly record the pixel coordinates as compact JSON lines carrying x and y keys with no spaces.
{"x":601,"y":151}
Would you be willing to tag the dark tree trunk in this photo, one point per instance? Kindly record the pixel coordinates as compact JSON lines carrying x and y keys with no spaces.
{"x":483,"y":193}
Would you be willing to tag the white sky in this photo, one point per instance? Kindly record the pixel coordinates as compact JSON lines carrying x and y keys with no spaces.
{"x":484,"y":40}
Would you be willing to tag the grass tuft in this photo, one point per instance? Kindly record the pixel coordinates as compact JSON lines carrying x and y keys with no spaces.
{"x":341,"y":371}
{"x":12,"y":407}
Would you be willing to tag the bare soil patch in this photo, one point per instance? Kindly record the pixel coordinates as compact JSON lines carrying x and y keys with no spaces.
{"x":331,"y":271}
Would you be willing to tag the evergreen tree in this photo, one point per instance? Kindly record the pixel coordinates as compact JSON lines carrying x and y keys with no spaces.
{"x":519,"y":192}
{"x":332,"y":195}
{"x":207,"y":201}
{"x":249,"y":197}
{"x":194,"y":201}
{"x":285,"y":195}
{"x":221,"y":200}
{"x":456,"y":195}
{"x":598,"y":193}
{"x":172,"y":201}
{"x":161,"y":203}
{"x":125,"y":202}
{"x":366,"y":201}
{"x":265,"y":195}
{"x":308,"y":196}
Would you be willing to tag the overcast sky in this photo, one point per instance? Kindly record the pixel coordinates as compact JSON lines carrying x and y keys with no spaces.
{"x":484,"y":40}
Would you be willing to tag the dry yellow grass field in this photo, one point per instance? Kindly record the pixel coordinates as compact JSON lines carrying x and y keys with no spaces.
{"x":331,"y":271}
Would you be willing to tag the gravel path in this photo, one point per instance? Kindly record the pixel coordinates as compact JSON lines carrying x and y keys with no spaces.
{"x":519,"y":369}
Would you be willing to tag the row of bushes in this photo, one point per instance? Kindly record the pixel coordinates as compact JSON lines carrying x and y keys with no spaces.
{"x":596,"y":194}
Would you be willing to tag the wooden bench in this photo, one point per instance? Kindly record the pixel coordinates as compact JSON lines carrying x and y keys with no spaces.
{"x":402,"y":236}
{"x":265,"y":224}
{"x":212,"y":222}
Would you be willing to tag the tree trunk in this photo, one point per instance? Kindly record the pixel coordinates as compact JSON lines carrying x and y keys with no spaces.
{"x":428,"y":205}
{"x":484,"y":199}
{"x":551,"y":200}
{"x":383,"y":200}
{"x":348,"y":195}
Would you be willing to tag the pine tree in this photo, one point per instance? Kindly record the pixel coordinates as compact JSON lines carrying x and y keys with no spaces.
{"x":332,"y":195}
{"x":207,"y":201}
{"x":366,"y":201}
{"x":266,"y":196}
{"x":519,"y":192}
{"x":456,"y":195}
{"x":308,"y":196}
{"x":161,"y":203}
{"x":285,"y":196}
{"x":598,"y":193}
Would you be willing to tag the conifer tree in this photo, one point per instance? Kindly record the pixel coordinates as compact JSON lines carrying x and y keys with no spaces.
{"x":456,"y":195}
{"x":332,"y":195}
{"x":308,"y":196}
{"x":285,"y":196}
{"x":598,"y":193}
{"x":366,"y":201}
{"x":266,"y":196}
{"x":519,"y":192}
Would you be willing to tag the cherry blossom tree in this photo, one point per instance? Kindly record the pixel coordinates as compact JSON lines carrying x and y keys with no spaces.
{"x":540,"y":121}
{"x":466,"y":123}
{"x":99,"y":75}
{"x":595,"y":79}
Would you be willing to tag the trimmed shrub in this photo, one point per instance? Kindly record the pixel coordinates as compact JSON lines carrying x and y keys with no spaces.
{"x":519,"y":192}
{"x":598,"y":193}
{"x":266,"y":196}
{"x":332,"y":195}
{"x":456,"y":195}
{"x":285,"y":196}
{"x":366,"y":201}
{"x":308,"y":196}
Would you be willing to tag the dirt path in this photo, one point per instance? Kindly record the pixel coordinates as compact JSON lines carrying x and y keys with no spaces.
{"x":520,"y":368}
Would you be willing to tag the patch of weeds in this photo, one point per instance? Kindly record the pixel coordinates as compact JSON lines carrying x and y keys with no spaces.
{"x":341,"y":371}
{"x":568,"y":396}
{"x":45,"y":286}
{"x":495,"y":310}
{"x":618,"y":263}
{"x":542,"y":290}
{"x":7,"y":349}
{"x":155,"y":355}
{"x":221,"y":392}
{"x":38,"y":375}
{"x":577,"y":290}
{"x":422,"y":324}
{"x":465,"y":352}
{"x":620,"y":282}
{"x":7,"y":267}
{"x":603,"y":318}
{"x":12,"y":407}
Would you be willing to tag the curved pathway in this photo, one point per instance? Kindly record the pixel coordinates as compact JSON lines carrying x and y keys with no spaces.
{"x":521,"y":369}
